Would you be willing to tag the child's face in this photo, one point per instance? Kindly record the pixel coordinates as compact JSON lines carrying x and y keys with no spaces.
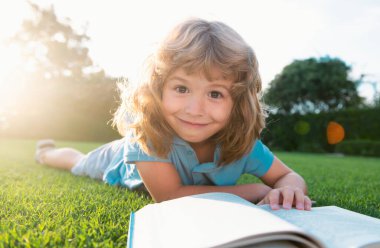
{"x":195,"y":107}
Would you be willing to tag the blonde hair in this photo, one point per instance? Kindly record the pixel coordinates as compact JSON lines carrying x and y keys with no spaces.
{"x":197,"y":44}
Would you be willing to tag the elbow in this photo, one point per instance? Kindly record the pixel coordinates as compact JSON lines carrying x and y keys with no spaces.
{"x":168,"y":195}
{"x":162,"y":198}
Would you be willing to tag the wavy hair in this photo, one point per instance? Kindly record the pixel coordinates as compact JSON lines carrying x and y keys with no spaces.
{"x":196,"y":45}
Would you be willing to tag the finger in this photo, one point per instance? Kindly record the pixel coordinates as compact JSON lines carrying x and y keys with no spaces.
{"x":288,"y":196}
{"x":274,"y":199}
{"x":299,"y":199}
{"x":307,"y":203}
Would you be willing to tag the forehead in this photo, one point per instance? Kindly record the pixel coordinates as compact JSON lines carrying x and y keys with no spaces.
{"x":213,"y":74}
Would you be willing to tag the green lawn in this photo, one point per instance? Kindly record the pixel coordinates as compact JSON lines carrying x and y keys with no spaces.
{"x":40,"y":206}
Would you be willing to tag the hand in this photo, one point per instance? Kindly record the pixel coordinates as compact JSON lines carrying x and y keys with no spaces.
{"x":288,"y":197}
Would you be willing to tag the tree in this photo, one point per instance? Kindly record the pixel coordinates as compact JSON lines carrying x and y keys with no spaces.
{"x":312,"y":86}
{"x":52,"y":48}
{"x":377,"y":101}
{"x":64,"y":95}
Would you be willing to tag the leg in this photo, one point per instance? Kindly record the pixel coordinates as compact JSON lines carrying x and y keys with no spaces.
{"x":93,"y":164}
{"x":62,"y":158}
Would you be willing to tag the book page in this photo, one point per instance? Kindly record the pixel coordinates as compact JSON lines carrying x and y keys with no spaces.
{"x":207,"y":220}
{"x":336,"y":227}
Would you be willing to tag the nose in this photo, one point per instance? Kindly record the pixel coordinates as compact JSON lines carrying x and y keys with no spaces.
{"x":195,"y":105}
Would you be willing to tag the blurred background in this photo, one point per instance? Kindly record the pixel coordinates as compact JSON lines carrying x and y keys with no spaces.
{"x":60,"y":62}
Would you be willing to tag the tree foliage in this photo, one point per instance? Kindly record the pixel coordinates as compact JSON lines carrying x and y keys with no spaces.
{"x":60,"y":93}
{"x":52,"y":48}
{"x":312,"y":86}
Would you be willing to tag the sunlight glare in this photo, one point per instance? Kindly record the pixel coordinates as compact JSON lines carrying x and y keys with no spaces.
{"x":11,"y":61}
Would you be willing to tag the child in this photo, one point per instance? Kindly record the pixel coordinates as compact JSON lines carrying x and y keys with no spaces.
{"x":194,"y":126}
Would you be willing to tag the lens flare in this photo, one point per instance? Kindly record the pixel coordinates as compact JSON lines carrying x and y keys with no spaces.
{"x":302,"y":127}
{"x":335,"y":133}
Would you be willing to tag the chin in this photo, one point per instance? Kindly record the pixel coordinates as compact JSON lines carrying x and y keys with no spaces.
{"x":194,"y":139}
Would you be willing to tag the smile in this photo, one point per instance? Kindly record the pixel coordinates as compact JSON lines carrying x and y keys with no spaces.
{"x":192,"y":124}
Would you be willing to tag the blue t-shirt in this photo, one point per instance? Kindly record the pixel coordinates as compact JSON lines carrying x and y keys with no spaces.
{"x":123,"y":170}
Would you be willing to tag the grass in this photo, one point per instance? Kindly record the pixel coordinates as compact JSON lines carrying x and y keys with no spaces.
{"x":40,"y":206}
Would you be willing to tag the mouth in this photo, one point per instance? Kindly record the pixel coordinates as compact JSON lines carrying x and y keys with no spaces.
{"x":193,"y":124}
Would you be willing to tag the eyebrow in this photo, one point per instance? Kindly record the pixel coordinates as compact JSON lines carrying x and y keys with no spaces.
{"x":220,"y":85}
{"x":178,"y":78}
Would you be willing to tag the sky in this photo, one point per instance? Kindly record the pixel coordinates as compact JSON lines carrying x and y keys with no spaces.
{"x":124,"y":32}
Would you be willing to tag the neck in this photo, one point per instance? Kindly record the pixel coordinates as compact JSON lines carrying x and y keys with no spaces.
{"x":204,"y":150}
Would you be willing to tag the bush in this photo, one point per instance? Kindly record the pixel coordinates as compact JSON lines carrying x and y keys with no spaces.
{"x":359,"y":147}
{"x":308,"y":133}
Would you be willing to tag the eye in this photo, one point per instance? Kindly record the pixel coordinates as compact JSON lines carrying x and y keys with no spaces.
{"x":215,"y":94}
{"x":181,"y":89}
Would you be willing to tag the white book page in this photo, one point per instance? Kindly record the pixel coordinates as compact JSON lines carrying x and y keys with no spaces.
{"x":336,"y":227}
{"x":203,"y":222}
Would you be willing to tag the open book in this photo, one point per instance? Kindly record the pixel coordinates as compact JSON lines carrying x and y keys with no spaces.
{"x":226,"y":220}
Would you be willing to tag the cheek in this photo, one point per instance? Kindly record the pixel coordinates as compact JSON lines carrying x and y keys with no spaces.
{"x":222,"y":114}
{"x":168,"y":104}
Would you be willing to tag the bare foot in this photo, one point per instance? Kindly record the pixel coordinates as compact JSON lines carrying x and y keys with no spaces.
{"x":41,"y":147}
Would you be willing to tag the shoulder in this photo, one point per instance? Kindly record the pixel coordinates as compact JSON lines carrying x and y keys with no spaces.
{"x":259,"y":159}
{"x":259,"y":149}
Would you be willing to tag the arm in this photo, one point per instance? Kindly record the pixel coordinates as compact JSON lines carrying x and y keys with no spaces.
{"x":289,"y":188}
{"x":163,"y":183}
